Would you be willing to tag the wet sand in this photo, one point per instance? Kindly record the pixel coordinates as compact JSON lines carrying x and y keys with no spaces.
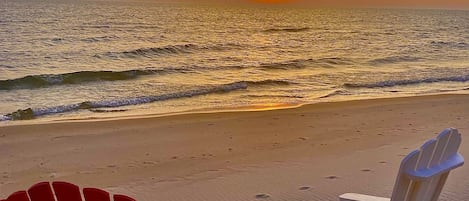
{"x":314,"y":152}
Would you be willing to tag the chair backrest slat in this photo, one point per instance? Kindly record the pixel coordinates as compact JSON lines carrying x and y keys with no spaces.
{"x":439,"y":186}
{"x":437,"y":183}
{"x":66,"y":191}
{"x":427,"y":163}
{"x":403,"y":186}
{"x":94,"y":194}
{"x":443,"y":140}
{"x":426,"y":154}
{"x":122,"y":198}
{"x":18,"y":196}
{"x":41,"y":192}
{"x":453,"y":145}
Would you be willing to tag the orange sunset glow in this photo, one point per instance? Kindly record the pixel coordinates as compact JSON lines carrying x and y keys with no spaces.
{"x":452,"y":4}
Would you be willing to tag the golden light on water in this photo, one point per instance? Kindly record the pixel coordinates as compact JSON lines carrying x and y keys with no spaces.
{"x":272,"y":1}
{"x":271,"y":106}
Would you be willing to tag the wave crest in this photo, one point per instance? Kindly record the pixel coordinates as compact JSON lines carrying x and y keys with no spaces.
{"x":31,"y":113}
{"x":267,"y":82}
{"x":450,"y":44}
{"x":391,"y":83}
{"x":45,"y":80}
{"x":293,"y":29}
{"x":335,"y":93}
{"x":169,"y":50}
{"x":99,"y":39}
{"x":394,"y":59}
{"x":48,"y":80}
{"x":303,"y":63}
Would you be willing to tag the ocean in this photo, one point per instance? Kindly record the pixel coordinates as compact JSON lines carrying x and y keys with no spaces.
{"x":103,"y":59}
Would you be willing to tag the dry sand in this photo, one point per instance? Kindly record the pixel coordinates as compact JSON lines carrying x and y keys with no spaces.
{"x":314,"y":152}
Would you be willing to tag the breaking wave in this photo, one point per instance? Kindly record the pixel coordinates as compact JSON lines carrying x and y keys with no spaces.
{"x":31,"y":113}
{"x":394,"y":59}
{"x":271,"y":96}
{"x":80,"y":77}
{"x":450,"y":44}
{"x":99,"y":39}
{"x":46,"y":80}
{"x":335,"y":93}
{"x":169,"y":50}
{"x":303,"y":63}
{"x":275,"y":30}
{"x":267,"y":82}
{"x":391,"y":83}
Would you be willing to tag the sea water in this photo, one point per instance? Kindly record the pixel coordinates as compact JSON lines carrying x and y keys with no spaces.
{"x":96,"y":59}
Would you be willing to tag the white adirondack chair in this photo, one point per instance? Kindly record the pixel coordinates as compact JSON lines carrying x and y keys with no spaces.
{"x":423,"y":172}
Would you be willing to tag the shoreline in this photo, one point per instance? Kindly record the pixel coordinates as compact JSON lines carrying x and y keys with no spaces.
{"x":313,"y":152}
{"x":251,"y":108}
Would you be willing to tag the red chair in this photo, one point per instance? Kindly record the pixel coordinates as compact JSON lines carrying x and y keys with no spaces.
{"x":63,"y":191}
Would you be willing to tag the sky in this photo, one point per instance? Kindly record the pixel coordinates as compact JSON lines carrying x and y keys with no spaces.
{"x":450,"y":4}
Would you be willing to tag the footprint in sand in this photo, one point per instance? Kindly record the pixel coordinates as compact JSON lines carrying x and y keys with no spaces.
{"x":59,"y":137}
{"x":332,"y":177}
{"x":383,"y":162}
{"x":365,"y":170}
{"x":148,"y":162}
{"x":303,"y":188}
{"x":262,"y":196}
{"x":303,"y":138}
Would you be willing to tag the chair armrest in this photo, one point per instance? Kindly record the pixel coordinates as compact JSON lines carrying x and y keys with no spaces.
{"x":360,"y":197}
{"x":455,"y":161}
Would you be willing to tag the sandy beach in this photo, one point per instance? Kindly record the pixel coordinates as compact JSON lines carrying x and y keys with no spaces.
{"x":314,"y":152}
